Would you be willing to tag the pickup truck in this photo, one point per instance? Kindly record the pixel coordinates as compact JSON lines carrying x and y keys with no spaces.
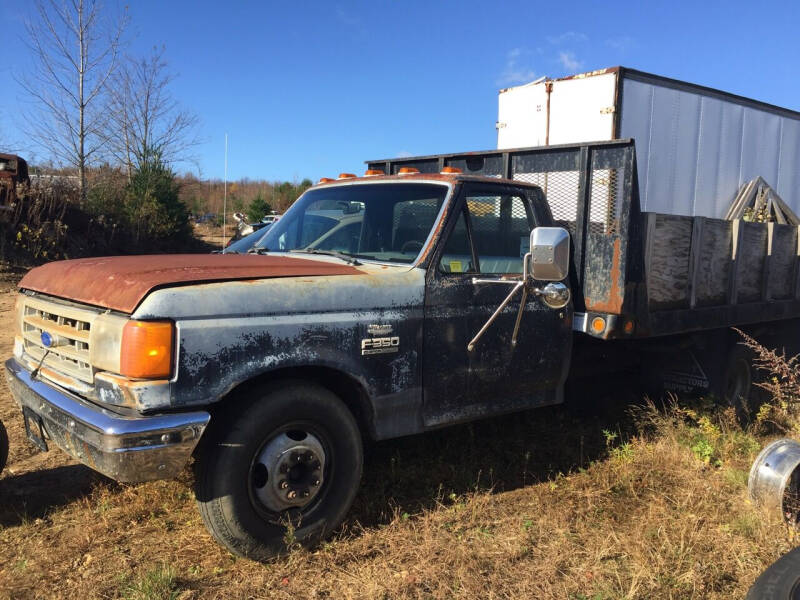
{"x":376,"y":307}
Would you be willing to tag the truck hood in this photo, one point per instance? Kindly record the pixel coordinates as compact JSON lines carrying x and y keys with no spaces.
{"x":121,"y":282}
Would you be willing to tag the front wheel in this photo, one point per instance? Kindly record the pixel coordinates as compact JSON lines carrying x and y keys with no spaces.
{"x":284,"y":468}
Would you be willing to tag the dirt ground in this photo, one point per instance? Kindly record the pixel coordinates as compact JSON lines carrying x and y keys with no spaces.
{"x":568,"y":502}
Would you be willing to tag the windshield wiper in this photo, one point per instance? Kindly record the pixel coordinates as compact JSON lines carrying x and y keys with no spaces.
{"x":259,"y":250}
{"x":350,"y":260}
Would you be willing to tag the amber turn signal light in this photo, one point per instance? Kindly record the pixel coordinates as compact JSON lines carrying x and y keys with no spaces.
{"x":598,"y":325}
{"x":146,"y":349}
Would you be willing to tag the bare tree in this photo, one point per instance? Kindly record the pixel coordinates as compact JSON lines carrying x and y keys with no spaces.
{"x":144,"y":118}
{"x":75,"y":51}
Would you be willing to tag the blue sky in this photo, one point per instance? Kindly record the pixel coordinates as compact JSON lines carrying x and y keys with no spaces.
{"x":310,"y":89}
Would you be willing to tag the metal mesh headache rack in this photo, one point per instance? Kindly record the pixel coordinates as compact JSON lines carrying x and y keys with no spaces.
{"x":588,"y":187}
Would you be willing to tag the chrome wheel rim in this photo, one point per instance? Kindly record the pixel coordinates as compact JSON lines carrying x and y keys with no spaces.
{"x":288,"y":472}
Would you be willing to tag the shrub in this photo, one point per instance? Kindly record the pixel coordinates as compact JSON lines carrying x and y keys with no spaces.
{"x":780,"y":413}
{"x":154,"y":209}
{"x":258,"y":208}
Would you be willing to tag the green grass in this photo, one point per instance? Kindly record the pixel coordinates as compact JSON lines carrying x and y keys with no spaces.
{"x":158,"y":583}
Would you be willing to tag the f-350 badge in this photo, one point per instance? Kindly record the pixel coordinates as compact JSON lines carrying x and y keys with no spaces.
{"x":382,"y":343}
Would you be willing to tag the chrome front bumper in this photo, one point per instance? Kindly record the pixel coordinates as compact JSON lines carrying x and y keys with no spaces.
{"x":129,"y":449}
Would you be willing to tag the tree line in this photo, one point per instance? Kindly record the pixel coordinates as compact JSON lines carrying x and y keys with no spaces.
{"x":108,"y":118}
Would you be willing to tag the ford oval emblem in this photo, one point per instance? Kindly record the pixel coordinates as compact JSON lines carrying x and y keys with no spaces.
{"x":47,"y":340}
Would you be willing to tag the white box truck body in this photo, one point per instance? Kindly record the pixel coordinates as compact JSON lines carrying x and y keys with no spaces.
{"x":695,"y":146}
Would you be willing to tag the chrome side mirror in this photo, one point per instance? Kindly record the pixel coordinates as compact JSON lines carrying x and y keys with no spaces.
{"x":549,"y":253}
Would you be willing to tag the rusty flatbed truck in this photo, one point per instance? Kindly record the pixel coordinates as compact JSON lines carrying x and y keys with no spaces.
{"x":377,"y":307}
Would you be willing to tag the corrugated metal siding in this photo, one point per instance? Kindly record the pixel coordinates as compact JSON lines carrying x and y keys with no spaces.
{"x":789,"y":167}
{"x":695,"y":151}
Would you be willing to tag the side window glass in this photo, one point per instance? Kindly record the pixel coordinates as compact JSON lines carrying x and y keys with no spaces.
{"x":457,"y":255}
{"x":501,"y":228}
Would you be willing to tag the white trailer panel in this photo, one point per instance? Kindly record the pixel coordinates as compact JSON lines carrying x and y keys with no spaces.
{"x":695,"y":146}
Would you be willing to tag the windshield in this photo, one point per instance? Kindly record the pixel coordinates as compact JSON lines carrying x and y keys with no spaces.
{"x":243,"y":245}
{"x":380,"y":221}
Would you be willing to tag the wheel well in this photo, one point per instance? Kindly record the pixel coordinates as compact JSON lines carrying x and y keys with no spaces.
{"x":346,"y":387}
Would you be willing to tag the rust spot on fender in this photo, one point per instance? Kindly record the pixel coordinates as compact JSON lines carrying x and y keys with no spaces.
{"x":616,"y":294}
{"x":122,"y":282}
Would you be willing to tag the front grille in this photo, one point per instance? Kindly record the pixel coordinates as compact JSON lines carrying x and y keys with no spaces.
{"x":68,"y":328}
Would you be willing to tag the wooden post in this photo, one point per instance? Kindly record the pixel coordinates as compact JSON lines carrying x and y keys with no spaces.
{"x":797,"y":266}
{"x":694,"y":258}
{"x":767,"y":258}
{"x":649,"y":235}
{"x":736,"y":233}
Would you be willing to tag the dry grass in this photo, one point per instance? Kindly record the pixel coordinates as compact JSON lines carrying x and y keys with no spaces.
{"x":542,"y":505}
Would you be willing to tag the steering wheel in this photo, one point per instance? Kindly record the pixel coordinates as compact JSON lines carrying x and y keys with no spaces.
{"x":409,"y":246}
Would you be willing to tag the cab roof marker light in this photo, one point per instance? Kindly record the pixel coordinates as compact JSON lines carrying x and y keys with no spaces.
{"x":346,"y":176}
{"x":451,"y":171}
{"x":407,"y":171}
{"x":373,"y":172}
{"x":325,"y":180}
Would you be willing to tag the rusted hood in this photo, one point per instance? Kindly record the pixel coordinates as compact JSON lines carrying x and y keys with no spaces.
{"x":121,"y":282}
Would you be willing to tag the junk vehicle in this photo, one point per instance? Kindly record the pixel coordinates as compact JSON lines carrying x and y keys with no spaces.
{"x":448,"y":289}
{"x":13,"y":172}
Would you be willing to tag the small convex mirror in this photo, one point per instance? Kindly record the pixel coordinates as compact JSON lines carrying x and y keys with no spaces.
{"x":549,"y":253}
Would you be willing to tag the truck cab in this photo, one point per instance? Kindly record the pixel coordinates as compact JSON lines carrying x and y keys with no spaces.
{"x":376,"y":307}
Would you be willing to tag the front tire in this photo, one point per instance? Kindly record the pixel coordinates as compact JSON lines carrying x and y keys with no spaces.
{"x":284,"y":468}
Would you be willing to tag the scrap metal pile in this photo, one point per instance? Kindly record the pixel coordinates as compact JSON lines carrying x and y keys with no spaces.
{"x":13,"y":173}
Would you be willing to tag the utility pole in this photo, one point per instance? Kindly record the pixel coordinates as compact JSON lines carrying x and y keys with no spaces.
{"x":225,"y":195}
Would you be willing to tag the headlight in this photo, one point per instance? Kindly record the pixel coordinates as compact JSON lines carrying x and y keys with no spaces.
{"x":146,"y":351}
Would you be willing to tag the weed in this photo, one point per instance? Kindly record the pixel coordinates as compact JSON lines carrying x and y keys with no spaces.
{"x":782,"y":412}
{"x":703,"y":450}
{"x":610,"y":437}
{"x":746,"y":525}
{"x":622,"y":453}
{"x":158,"y":583}
{"x":289,"y":537}
{"x":736,"y":477}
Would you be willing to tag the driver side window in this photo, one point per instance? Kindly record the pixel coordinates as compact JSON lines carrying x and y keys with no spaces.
{"x":457,"y":255}
{"x":491,"y":235}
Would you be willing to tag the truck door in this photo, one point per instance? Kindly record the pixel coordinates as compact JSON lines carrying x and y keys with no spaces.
{"x":486,"y":239}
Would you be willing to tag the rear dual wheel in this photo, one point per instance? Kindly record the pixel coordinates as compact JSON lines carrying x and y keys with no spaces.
{"x":283,"y":469}
{"x":738,"y":380}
